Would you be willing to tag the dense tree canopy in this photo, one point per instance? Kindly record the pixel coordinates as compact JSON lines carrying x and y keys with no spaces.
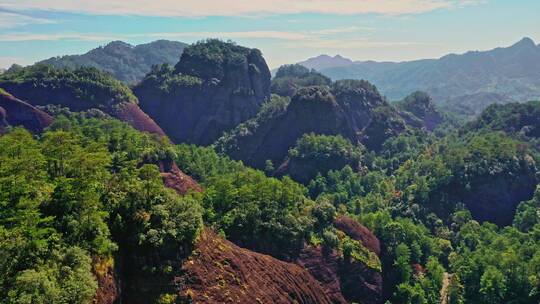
{"x":289,"y":78}
{"x":79,"y":89}
{"x":456,"y":212}
{"x":79,"y":192}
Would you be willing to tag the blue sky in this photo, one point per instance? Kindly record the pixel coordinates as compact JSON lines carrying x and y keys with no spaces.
{"x":285,"y":30}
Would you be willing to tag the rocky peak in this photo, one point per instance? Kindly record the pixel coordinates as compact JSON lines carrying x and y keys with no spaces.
{"x":325,"y":61}
{"x":353,"y":109}
{"x":221,"y":272}
{"x":215,"y":86}
{"x":313,"y":97}
{"x":526,"y":42}
{"x":419,"y":111}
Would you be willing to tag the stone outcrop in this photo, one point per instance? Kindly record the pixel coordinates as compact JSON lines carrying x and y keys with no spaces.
{"x":214,"y":87}
{"x":15,"y":112}
{"x":346,"y":281}
{"x":419,"y":111}
{"x":78,"y":90}
{"x":177,"y":180}
{"x":352,"y":109}
{"x":220,"y":272}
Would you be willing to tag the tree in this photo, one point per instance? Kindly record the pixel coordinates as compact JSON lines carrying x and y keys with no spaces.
{"x":492,"y":285}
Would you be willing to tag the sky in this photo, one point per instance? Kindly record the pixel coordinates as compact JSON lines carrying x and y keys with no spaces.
{"x":286,"y":31}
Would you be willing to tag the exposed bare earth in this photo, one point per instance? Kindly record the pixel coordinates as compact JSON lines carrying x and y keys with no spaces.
{"x":358,"y":232}
{"x":221,"y":272}
{"x":133,"y":115}
{"x":177,"y":180}
{"x":444,"y":289}
{"x":16,"y":112}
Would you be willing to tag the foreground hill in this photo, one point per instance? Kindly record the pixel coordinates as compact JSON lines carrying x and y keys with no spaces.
{"x":126,"y":62}
{"x":513,"y":72}
{"x":78,"y":90}
{"x":214,"y":87}
{"x":221,"y":272}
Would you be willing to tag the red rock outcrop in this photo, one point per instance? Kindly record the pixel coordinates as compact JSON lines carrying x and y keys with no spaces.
{"x":16,"y":112}
{"x":3,"y":122}
{"x":134,"y":116}
{"x":177,"y":180}
{"x":358,"y":232}
{"x":220,"y":272}
{"x":108,"y":291}
{"x":323,"y":267}
{"x":345,"y":281}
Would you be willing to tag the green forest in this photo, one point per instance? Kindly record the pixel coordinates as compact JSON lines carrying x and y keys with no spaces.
{"x":456,"y":209}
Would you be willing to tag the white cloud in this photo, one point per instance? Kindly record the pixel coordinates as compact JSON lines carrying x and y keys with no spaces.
{"x":20,"y":36}
{"x":200,"y":8}
{"x":281,"y":35}
{"x":278,"y":35}
{"x":343,"y":30}
{"x":352,"y":44}
{"x":11,"y":20}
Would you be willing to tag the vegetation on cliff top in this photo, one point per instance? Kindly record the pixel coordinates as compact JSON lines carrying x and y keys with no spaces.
{"x":86,"y":86}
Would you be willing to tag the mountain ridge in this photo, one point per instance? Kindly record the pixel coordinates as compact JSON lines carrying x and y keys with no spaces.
{"x":509,"y":71}
{"x":126,"y":62}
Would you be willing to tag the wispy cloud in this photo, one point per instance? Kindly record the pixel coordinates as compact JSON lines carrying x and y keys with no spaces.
{"x":23,"y":36}
{"x":13,"y":20}
{"x":352,"y":44}
{"x":342,"y":30}
{"x":277,"y":35}
{"x":199,"y":8}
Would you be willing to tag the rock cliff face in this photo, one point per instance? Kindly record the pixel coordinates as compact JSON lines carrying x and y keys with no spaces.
{"x":221,"y":272}
{"x":358,"y":232}
{"x":177,"y":180}
{"x":108,"y":291}
{"x":135,"y":117}
{"x":3,"y":121}
{"x":16,"y":112}
{"x":213,"y":88}
{"x":419,"y":111}
{"x":218,"y":271}
{"x":346,"y":281}
{"x":496,"y":198}
{"x":353,"y":109}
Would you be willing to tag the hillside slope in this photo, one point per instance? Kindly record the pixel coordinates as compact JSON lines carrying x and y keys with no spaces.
{"x":221,"y":272}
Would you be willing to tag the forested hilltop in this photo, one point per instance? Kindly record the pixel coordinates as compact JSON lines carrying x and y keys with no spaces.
{"x":126,"y":62}
{"x":295,"y":189}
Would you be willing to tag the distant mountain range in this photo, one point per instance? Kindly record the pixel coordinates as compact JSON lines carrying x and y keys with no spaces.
{"x":124,"y":61}
{"x":512,"y":72}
